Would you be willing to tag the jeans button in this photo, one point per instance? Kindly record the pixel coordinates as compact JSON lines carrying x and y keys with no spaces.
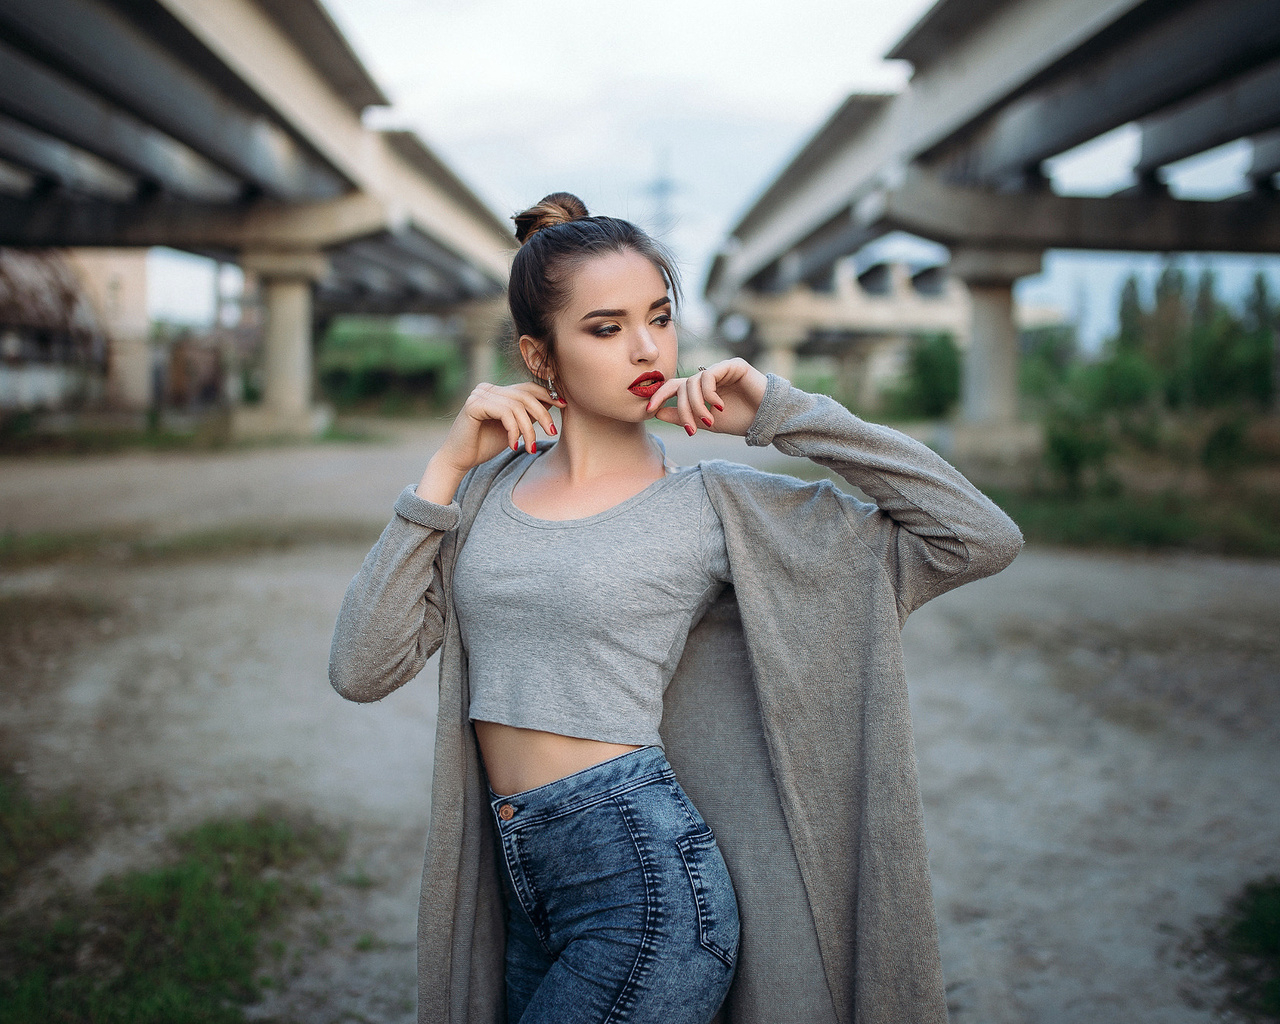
{"x":506,"y":812}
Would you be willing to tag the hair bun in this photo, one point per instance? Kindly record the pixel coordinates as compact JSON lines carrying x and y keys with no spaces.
{"x":557,"y":208}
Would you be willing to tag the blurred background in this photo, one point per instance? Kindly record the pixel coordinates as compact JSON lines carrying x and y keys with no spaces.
{"x":252,"y":257}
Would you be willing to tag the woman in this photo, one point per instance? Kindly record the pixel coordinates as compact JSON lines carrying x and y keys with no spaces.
{"x":578,"y":595}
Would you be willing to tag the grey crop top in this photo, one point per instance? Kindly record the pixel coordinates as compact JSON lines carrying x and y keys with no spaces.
{"x":575,"y":627}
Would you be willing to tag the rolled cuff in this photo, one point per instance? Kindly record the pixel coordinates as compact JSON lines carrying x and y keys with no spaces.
{"x":427,"y":513}
{"x":772,"y":411}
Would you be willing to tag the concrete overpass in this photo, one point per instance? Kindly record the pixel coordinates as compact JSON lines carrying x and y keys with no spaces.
{"x":863,"y":323}
{"x":998,"y":87}
{"x":233,"y":129}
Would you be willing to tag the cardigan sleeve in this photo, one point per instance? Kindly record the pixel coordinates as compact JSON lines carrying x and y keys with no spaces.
{"x":392,"y":616}
{"x":931,"y":528}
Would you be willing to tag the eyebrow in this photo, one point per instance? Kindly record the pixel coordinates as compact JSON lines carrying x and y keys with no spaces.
{"x":655,"y":304}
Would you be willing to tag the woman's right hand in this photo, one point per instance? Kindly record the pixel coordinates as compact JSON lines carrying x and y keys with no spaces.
{"x":492,"y":418}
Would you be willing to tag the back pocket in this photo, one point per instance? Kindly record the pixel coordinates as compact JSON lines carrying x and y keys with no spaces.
{"x":713,"y":894}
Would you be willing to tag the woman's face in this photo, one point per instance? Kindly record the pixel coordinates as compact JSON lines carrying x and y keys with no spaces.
{"x":615,"y":341}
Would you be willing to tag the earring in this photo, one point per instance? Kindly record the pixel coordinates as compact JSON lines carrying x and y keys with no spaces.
{"x":551,"y":389}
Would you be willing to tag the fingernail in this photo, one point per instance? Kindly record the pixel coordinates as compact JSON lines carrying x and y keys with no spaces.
{"x":719,"y":406}
{"x":515,"y":446}
{"x":707,"y":421}
{"x":551,"y":429}
{"x":688,"y":430}
{"x":533,"y":448}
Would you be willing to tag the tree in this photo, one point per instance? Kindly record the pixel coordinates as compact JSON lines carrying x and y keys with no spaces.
{"x":1131,"y":316}
{"x":1262,"y":321}
{"x":1166,"y":328}
{"x":1205,"y":307}
{"x":1259,"y":314}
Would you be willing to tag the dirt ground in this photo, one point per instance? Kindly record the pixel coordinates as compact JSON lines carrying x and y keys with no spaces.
{"x":1097,"y":733}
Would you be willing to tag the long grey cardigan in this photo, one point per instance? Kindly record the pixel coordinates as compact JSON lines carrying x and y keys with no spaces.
{"x":786,"y":721}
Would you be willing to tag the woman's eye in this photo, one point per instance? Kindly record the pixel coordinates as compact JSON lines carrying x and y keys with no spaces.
{"x":606,"y":330}
{"x":662,"y":319}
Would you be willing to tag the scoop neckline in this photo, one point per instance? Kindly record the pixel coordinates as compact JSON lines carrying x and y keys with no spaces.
{"x":521,"y":466}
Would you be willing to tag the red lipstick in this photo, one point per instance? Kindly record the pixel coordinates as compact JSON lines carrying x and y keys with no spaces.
{"x":647,"y":384}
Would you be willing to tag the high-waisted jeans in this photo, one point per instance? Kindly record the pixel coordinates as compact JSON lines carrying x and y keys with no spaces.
{"x":620,"y":908}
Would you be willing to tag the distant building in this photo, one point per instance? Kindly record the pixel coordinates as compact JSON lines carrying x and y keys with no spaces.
{"x":53,"y":348}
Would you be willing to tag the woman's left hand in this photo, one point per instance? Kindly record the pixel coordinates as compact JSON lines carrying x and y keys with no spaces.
{"x":723,"y":398}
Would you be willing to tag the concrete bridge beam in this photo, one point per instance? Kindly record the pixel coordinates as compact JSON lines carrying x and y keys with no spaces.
{"x":990,"y":374}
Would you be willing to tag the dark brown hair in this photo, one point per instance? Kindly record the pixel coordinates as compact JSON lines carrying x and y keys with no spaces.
{"x":557,"y":236}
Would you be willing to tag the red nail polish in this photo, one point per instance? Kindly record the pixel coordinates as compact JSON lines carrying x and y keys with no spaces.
{"x":707,"y":421}
{"x":688,"y":430}
{"x":533,"y":448}
{"x":515,"y":446}
{"x":552,"y":430}
{"x":719,"y":406}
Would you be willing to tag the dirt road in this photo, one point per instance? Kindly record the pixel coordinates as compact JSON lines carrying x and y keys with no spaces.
{"x":1097,"y":734}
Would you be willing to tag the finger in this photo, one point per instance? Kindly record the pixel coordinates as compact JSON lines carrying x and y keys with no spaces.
{"x":526,"y":429}
{"x":541,"y":394}
{"x":697,"y":397}
{"x":663,"y":393}
{"x":508,"y":419}
{"x":686,"y":411}
{"x":667,"y":415}
{"x":538,"y":412}
{"x":709,"y":393}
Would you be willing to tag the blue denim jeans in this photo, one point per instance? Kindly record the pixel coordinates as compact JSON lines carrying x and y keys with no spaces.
{"x":619,"y":905}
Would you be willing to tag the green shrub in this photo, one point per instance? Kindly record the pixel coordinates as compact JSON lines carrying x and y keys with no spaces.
{"x":931,"y":387}
{"x":1248,"y":526}
{"x":1048,"y":354}
{"x":1226,"y":448}
{"x":1124,"y":380}
{"x":1075,"y":444}
{"x":368,"y":361}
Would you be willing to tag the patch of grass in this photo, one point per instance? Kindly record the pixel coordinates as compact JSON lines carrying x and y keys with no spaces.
{"x":23,"y":549}
{"x":1243,"y":945}
{"x":342,"y":433}
{"x":250,"y":538}
{"x":174,"y":944}
{"x":369,"y":943}
{"x":30,"y":831}
{"x":358,"y":878}
{"x":1237,"y":526}
{"x":26,"y":438}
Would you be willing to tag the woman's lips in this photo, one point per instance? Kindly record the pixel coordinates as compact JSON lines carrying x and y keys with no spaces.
{"x":646,"y":384}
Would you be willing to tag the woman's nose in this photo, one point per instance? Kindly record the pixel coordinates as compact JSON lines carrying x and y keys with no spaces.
{"x":646,"y":349}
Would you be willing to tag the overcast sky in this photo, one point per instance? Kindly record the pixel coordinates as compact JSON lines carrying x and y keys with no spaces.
{"x":524,"y":98}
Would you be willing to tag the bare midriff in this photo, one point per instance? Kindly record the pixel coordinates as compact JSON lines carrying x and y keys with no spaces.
{"x":520,"y":759}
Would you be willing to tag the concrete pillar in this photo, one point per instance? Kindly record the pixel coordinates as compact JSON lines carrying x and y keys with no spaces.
{"x":287,"y":341}
{"x":482,"y":324}
{"x":851,"y":374}
{"x":286,"y":409}
{"x":116,"y":280}
{"x":780,"y":338}
{"x":990,"y":381}
{"x":990,"y":372}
